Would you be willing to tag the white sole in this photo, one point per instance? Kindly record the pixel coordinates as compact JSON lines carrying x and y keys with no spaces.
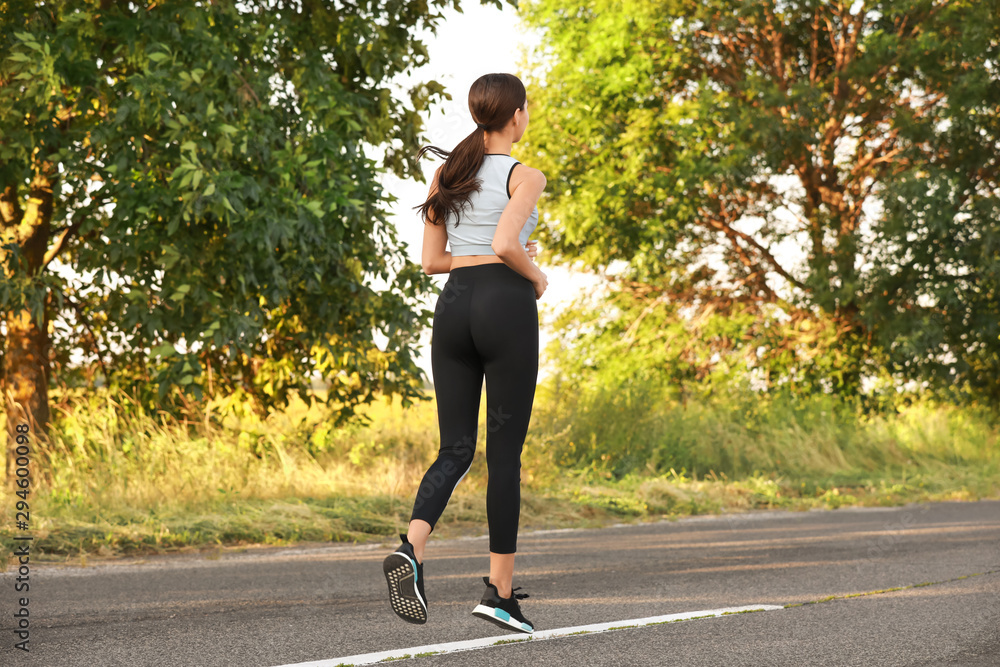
{"x":509,"y":623}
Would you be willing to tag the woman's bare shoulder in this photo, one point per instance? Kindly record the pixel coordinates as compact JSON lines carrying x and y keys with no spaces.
{"x":522,"y":173}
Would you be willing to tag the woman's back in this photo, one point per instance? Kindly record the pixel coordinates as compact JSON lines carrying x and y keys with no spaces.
{"x":472,"y":233}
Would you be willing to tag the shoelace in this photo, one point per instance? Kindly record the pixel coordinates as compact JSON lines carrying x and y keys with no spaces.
{"x":518,"y":596}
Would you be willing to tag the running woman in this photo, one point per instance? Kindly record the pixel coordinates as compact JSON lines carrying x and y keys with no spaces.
{"x":484,"y":202}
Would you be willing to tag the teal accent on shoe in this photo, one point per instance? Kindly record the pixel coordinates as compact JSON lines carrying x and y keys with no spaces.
{"x":500,"y":613}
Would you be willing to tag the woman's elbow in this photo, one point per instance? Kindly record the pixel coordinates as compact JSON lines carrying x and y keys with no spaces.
{"x":436,"y":265}
{"x":503,"y":249}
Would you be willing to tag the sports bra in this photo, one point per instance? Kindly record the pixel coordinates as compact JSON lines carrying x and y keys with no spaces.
{"x":473,"y":235}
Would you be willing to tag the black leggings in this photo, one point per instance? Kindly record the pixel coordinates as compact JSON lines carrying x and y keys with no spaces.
{"x":485,"y":322}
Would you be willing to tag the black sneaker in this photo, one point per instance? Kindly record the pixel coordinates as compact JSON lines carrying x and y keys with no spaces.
{"x":405,"y":577}
{"x":505,"y":612}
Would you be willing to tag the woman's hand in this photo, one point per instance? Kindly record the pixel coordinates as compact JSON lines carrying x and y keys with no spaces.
{"x":532,"y":249}
{"x":540,"y":286}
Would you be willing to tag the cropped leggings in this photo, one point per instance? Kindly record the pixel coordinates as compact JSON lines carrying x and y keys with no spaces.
{"x":485,"y":323}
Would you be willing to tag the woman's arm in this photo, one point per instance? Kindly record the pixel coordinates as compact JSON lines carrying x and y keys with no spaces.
{"x":433,"y":256}
{"x":526,"y":185}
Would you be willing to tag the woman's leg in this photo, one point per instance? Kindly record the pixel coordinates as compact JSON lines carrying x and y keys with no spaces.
{"x":502,"y":573}
{"x":458,"y":384}
{"x":505,"y":328}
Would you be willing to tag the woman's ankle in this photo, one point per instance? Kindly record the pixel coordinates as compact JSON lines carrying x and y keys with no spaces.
{"x":501,"y":592}
{"x":418,"y":549}
{"x":417,"y":535}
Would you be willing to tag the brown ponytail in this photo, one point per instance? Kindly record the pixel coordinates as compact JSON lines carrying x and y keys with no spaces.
{"x":493,"y":99}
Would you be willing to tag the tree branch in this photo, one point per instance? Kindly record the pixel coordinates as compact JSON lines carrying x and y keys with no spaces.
{"x":720,"y":223}
{"x":79,"y":217}
{"x":60,"y":242}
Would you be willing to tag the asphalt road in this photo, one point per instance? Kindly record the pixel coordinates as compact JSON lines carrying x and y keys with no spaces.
{"x":272,"y":607}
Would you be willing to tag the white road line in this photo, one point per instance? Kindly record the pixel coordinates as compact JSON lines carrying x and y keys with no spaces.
{"x":469,"y":644}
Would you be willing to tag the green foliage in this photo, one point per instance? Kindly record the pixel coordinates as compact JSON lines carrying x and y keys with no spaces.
{"x":697,"y":142}
{"x":210,"y":171}
{"x":648,"y":411}
{"x":630,"y":349}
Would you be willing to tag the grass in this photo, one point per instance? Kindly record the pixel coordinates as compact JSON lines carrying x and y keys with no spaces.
{"x":117,"y":481}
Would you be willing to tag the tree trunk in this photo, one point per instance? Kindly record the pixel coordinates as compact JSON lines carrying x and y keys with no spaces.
{"x":26,"y":385}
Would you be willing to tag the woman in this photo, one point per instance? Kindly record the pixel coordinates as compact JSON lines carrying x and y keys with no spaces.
{"x":485,"y":323}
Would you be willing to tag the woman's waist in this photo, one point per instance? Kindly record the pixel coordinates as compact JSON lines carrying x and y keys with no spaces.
{"x":486,"y":268}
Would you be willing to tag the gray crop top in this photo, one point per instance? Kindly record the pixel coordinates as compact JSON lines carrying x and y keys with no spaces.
{"x":473,"y":235}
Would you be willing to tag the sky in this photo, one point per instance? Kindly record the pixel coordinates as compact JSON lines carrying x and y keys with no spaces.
{"x":479,"y":40}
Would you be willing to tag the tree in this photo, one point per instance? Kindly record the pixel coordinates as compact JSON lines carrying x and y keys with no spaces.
{"x":205,"y":166}
{"x":678,"y":132}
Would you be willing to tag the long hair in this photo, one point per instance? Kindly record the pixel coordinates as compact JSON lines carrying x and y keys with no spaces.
{"x":493,"y":99}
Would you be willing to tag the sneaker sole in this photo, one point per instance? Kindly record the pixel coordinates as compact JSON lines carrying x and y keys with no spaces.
{"x":501,"y":618}
{"x":400,"y":575}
